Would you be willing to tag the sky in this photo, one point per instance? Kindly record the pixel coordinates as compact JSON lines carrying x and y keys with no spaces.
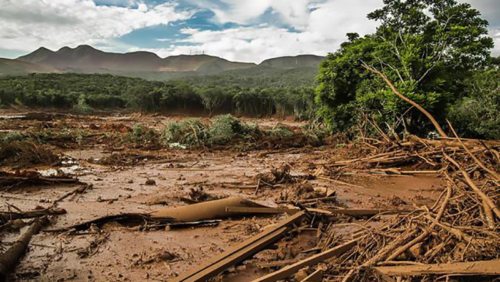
{"x":239,"y":30}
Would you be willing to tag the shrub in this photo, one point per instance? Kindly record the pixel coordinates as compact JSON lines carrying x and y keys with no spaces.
{"x":142,"y":135}
{"x":186,"y":132}
{"x":8,"y":137}
{"x":82,"y":106}
{"x":281,"y":131}
{"x":224,"y":128}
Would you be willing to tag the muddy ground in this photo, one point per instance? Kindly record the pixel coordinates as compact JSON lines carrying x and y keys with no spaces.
{"x":138,"y":179}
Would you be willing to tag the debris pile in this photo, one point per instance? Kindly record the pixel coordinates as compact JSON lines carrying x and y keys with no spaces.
{"x":18,"y":179}
{"x":456,"y":236}
{"x":22,"y":154}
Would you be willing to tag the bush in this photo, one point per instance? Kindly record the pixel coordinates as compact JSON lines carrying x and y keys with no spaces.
{"x":281,"y":131}
{"x":226,"y":127}
{"x":186,"y":132}
{"x":11,"y":137}
{"x":142,"y":135}
{"x":82,"y":106}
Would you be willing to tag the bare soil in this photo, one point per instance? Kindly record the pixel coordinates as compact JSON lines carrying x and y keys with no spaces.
{"x":119,"y":185}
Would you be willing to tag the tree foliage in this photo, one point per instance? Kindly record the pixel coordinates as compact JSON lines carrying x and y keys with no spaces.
{"x":426,"y":47}
{"x":85,"y":93}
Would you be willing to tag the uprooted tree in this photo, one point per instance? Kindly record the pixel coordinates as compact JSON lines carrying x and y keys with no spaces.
{"x":428,"y":48}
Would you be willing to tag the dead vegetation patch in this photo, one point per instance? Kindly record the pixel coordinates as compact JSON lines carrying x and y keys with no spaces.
{"x":20,"y":154}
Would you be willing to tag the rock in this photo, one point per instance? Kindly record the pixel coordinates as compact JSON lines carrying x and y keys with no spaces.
{"x":150,"y":182}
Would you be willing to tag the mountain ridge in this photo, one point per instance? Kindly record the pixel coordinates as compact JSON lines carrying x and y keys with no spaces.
{"x":87,"y":59}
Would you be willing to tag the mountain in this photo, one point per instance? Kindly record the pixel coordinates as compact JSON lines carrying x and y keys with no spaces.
{"x":17,"y":67}
{"x":201,"y":63}
{"x":291,"y":62}
{"x":86,"y":59}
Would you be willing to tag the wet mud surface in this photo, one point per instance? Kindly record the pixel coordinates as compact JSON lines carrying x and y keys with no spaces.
{"x":129,"y":180}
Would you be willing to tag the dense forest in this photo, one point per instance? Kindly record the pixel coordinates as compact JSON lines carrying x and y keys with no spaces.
{"x":85,"y":93}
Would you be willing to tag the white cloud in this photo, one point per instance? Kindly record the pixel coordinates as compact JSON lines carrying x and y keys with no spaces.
{"x":321,"y":31}
{"x":320,"y":25}
{"x":27,"y":24}
{"x":294,"y":13}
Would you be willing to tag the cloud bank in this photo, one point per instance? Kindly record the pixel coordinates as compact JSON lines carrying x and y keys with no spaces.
{"x":240,"y":30}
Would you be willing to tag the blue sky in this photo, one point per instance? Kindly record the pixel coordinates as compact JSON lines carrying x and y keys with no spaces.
{"x":243,"y":30}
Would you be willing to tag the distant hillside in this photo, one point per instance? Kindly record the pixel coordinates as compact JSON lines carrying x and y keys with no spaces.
{"x":201,"y":63}
{"x":289,"y":62}
{"x":17,"y":67}
{"x":86,"y":59}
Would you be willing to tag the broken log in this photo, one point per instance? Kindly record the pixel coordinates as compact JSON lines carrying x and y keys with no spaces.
{"x":9,"y":181}
{"x":198,"y":213}
{"x":6,"y":216}
{"x":316,"y":276}
{"x":9,"y":259}
{"x":215,"y":209}
{"x":241,"y":251}
{"x":476,"y":268}
{"x":289,"y":270}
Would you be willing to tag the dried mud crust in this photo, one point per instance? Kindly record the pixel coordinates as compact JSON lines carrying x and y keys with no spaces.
{"x":141,"y":181}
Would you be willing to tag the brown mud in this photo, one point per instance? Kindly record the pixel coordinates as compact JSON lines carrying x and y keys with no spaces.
{"x":130,"y":179}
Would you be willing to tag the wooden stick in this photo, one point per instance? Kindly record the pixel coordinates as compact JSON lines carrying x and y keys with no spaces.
{"x":312,"y":260}
{"x":478,"y":162}
{"x":480,"y":268}
{"x":9,"y":259}
{"x":488,"y":203}
{"x":5,"y":216}
{"x":240,"y":252}
{"x":427,"y":231}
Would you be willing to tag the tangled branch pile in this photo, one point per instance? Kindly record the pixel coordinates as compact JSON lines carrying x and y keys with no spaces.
{"x":462,"y":225}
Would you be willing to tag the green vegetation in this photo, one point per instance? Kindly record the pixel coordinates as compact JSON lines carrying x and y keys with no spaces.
{"x":226,"y":129}
{"x":434,"y":51}
{"x":477,"y":113}
{"x":85,"y":93}
{"x":221,"y":131}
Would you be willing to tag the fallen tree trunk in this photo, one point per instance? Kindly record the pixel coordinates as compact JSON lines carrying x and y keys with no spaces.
{"x":241,"y":251}
{"x":289,"y":270}
{"x":6,"y":216}
{"x":215,"y":209}
{"x":478,"y":268}
{"x":9,"y":259}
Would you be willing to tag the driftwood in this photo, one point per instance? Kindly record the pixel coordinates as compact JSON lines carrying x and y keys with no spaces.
{"x":241,"y":251}
{"x":9,"y":259}
{"x":216,"y":209}
{"x":477,"y":268}
{"x":9,"y":181}
{"x":6,"y":216}
{"x":289,"y":270}
{"x":194,"y":214}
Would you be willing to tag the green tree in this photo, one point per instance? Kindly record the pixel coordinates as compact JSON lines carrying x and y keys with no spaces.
{"x":477,"y":114}
{"x":426,"y":47}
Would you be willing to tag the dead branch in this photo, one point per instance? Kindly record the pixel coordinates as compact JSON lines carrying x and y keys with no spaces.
{"x":408,"y":100}
{"x":9,"y":259}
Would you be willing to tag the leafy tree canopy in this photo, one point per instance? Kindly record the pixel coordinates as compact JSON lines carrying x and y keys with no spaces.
{"x":426,"y":47}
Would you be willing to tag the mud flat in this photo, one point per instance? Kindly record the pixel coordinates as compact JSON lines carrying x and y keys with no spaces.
{"x":346,"y":191}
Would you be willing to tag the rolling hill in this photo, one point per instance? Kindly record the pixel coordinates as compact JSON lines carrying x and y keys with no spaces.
{"x":17,"y":67}
{"x":290,"y":62}
{"x":86,"y":59}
